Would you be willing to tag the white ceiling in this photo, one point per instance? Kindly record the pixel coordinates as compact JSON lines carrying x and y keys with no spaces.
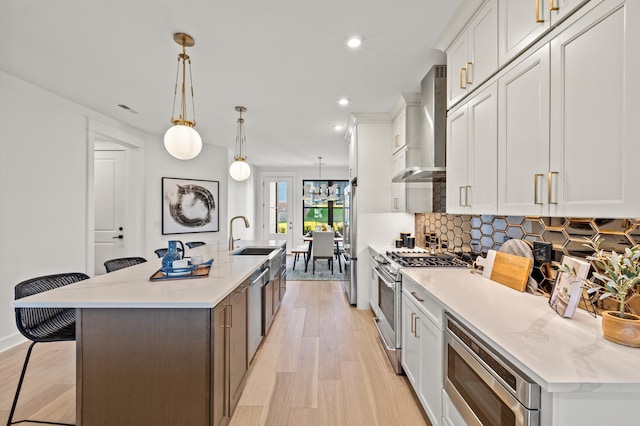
{"x":285,"y":60}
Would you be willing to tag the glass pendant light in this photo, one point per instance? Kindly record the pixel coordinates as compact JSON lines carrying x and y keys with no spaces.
{"x":182,"y":141}
{"x":239,"y":169}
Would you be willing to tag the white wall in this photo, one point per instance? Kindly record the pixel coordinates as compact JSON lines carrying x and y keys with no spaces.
{"x":44,"y":197}
{"x":210,"y":164}
{"x":242,"y":203}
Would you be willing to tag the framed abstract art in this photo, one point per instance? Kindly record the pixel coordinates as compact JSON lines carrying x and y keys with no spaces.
{"x":190,"y":206}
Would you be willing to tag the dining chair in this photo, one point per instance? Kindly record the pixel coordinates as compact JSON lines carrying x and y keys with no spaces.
{"x":43,"y":324}
{"x":162,"y":251}
{"x":192,"y":244}
{"x":322,"y":248}
{"x":123,"y":262}
{"x":337,"y":252}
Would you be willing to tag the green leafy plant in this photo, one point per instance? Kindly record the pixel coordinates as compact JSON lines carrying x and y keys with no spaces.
{"x":619,"y":273}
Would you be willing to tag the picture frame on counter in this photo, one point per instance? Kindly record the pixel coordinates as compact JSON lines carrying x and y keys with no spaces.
{"x":567,"y":290}
{"x":190,"y":206}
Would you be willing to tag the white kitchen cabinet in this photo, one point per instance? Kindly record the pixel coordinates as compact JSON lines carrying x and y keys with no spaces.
{"x":521,"y":22}
{"x":369,"y":160}
{"x":591,"y":162}
{"x":399,"y":131}
{"x":473,"y":57}
{"x":413,"y":197}
{"x":399,"y":189}
{"x":373,"y":288}
{"x":523,"y":136}
{"x":563,"y":111}
{"x":450,"y":414}
{"x":422,"y":347}
{"x":472,"y":154}
{"x":407,"y":124}
{"x":410,"y":343}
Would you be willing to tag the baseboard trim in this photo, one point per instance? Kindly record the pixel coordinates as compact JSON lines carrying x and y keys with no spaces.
{"x":10,"y":341}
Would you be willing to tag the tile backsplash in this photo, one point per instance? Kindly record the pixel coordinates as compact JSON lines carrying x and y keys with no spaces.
{"x":566,"y":235}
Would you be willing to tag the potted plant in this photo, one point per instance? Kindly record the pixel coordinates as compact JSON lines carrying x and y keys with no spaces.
{"x":619,"y":275}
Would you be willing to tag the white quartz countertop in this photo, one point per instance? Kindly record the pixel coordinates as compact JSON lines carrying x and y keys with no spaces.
{"x":562,"y":355}
{"x":131,"y":287}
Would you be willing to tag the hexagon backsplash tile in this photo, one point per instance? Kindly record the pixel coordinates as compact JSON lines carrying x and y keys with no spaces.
{"x":462,"y":232}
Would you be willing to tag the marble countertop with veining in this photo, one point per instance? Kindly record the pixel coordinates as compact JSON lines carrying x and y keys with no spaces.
{"x":131,"y":287}
{"x":561,"y":354}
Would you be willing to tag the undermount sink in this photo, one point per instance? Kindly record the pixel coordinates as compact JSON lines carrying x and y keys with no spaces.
{"x":255,"y":251}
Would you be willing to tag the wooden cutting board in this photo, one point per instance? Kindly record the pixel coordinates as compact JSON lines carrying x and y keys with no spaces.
{"x":507,"y":269}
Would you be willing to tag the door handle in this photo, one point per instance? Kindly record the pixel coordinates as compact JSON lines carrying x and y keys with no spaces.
{"x":538,"y":20}
{"x":535,"y":187}
{"x":552,"y":7}
{"x":550,"y":187}
{"x":119,"y":237}
{"x":463,"y":70}
{"x":466,"y":71}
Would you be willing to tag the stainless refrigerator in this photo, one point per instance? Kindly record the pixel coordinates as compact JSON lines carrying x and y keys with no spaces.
{"x":350,"y":248}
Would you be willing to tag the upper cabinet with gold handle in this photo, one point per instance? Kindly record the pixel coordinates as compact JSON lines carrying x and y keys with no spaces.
{"x":472,"y":58}
{"x":522,"y":22}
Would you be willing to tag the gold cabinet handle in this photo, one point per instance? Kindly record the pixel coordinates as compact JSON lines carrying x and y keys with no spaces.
{"x":535,"y":188}
{"x":466,"y":195}
{"x":413,"y":324}
{"x":460,"y":197}
{"x":552,"y":7}
{"x":463,"y":69}
{"x":538,"y":20}
{"x":549,"y":187}
{"x":466,"y":71}
{"x":395,"y":140}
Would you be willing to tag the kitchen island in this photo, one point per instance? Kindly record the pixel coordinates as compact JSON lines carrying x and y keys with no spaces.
{"x":584,"y":378}
{"x":159,"y":352}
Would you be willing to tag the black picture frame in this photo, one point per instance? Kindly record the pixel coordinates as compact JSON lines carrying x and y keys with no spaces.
{"x":190,"y":206}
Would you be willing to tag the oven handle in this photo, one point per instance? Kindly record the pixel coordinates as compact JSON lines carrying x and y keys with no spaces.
{"x":491,"y":381}
{"x":390,"y":284}
{"x":384,"y":342}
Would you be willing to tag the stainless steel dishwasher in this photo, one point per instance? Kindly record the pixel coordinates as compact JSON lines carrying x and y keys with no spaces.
{"x":254,"y":332}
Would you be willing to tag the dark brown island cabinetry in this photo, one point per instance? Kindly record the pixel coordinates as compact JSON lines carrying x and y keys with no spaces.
{"x":161,"y":366}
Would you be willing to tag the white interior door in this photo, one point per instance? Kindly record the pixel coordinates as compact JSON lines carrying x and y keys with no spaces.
{"x":278,"y":209}
{"x":110,"y":235}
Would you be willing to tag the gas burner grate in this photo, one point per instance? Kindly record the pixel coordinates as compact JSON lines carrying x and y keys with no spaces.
{"x":425,"y":260}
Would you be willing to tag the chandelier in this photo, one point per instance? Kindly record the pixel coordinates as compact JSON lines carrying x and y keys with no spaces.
{"x":322,"y":192}
{"x":239,"y":169}
{"x":181,"y":140}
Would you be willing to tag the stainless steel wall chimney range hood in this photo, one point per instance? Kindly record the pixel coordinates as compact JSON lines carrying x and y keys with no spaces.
{"x":427,"y":164}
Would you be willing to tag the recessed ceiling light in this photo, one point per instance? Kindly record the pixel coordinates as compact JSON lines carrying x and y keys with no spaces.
{"x":343,"y":101}
{"x":337,"y":127}
{"x":354,"y":42}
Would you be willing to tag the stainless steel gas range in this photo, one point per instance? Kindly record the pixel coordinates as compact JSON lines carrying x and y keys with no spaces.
{"x":388,"y":311}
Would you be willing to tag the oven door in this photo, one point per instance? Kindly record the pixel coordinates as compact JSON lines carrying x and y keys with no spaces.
{"x":480,"y":399}
{"x":388,"y":322}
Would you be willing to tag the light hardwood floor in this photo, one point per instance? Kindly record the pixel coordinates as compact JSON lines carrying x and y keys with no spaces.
{"x":321,"y":364}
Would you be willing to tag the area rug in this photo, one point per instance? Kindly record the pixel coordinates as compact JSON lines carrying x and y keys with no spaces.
{"x":323,"y":272}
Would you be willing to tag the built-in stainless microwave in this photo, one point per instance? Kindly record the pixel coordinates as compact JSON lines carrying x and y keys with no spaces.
{"x":485,"y":388}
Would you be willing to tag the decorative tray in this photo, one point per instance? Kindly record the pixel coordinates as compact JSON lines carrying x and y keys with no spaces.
{"x":192,"y":271}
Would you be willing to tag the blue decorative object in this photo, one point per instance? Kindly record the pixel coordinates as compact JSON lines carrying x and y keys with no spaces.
{"x":172,"y":253}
